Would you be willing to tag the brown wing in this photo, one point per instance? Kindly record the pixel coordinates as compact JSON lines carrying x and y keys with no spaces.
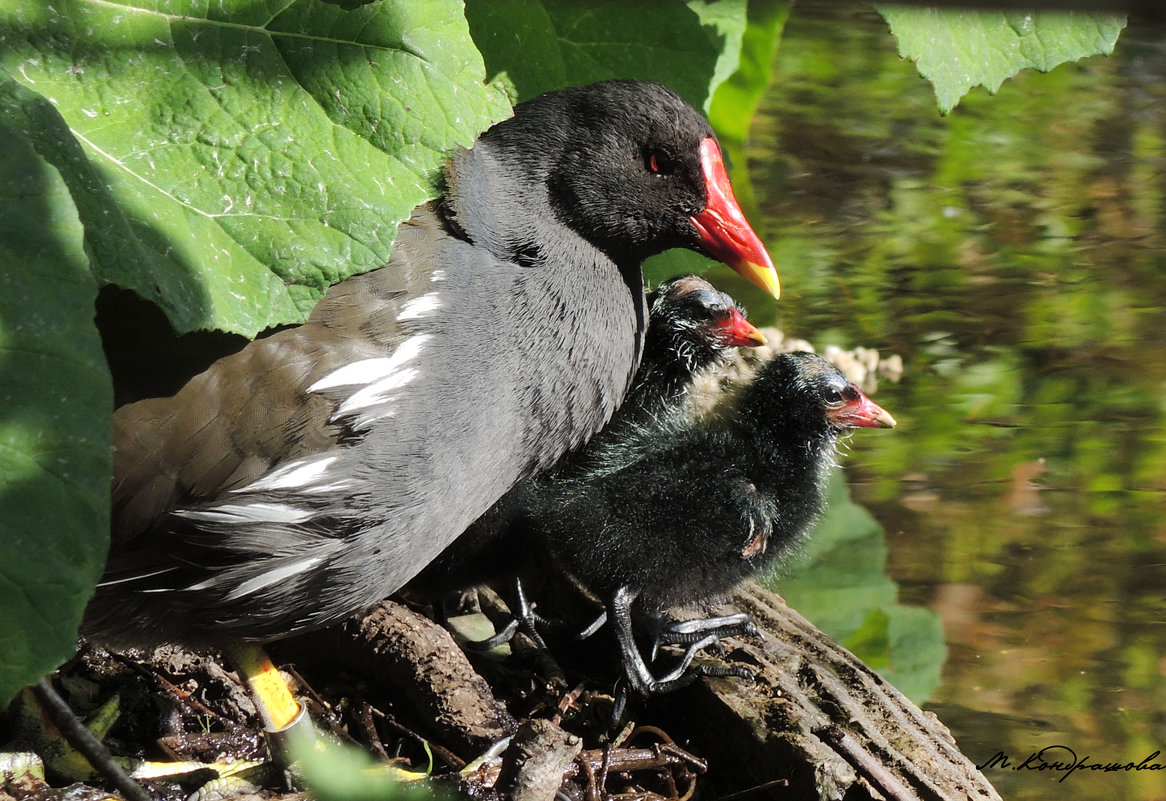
{"x":251,"y":411}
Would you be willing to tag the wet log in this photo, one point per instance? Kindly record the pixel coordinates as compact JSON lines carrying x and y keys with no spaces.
{"x":815,"y":723}
{"x":400,"y":648}
{"x":817,"y":717}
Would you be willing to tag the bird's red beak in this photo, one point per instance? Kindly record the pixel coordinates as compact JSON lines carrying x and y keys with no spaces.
{"x":736,"y":332}
{"x":724,"y":232}
{"x":861,"y":412}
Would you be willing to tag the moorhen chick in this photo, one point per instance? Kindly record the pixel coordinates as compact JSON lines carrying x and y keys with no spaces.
{"x":314,"y":472}
{"x":692,"y":327}
{"x":678,"y":511}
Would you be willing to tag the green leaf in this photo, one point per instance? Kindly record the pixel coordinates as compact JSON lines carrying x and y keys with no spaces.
{"x":905,"y":645}
{"x":672,"y":263}
{"x":337,"y":771}
{"x":840,"y":573}
{"x":959,"y":49}
{"x":731,"y":111}
{"x":916,"y":650}
{"x":231,"y":160}
{"x":540,"y":45}
{"x":55,"y":406}
{"x":839,"y":581}
{"x":734,"y":105}
{"x":729,"y":18}
{"x":736,"y":99}
{"x":872,"y":640}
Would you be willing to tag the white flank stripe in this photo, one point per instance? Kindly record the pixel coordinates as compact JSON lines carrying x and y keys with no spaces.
{"x":369,"y":371}
{"x":137,"y":577}
{"x":300,"y":474}
{"x":399,"y":376}
{"x":420,"y":307}
{"x":259,"y":582}
{"x":257,"y":512}
{"x":364,"y":371}
{"x":378,"y":392}
{"x":272,"y":577}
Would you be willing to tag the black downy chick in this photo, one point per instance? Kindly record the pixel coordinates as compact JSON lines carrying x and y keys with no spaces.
{"x":691,"y":327}
{"x":675,"y":512}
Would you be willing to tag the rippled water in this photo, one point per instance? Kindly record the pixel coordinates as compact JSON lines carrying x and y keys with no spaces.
{"x":1014,"y":254}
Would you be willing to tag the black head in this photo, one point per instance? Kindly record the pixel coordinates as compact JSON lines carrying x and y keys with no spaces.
{"x":692,"y":323}
{"x":632,"y":177}
{"x":804,"y":392}
{"x":635,"y":170}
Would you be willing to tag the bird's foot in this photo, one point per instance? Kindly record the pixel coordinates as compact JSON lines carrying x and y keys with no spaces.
{"x":642,"y":682}
{"x":591,"y":628}
{"x":683,"y":674}
{"x":525,"y":621}
{"x":697,"y":634}
{"x":688,"y":632}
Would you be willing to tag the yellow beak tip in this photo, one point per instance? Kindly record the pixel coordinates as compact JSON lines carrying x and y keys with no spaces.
{"x":766,"y":277}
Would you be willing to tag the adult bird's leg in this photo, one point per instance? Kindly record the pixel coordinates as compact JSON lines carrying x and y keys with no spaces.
{"x":286,"y":721}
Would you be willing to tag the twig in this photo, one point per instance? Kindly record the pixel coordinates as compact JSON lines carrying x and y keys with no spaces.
{"x":75,"y":733}
{"x":757,"y":788}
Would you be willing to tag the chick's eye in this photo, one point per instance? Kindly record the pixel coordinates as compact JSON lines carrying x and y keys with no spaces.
{"x":834,"y":396}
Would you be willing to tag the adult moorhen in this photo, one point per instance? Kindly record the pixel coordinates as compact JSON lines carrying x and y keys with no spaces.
{"x":692,"y":326}
{"x":314,"y":472}
{"x":678,"y":511}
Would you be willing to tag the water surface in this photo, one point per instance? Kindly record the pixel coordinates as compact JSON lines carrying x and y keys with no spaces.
{"x":1014,"y":254}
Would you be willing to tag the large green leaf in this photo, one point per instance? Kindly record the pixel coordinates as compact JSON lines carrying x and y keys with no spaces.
{"x":735,"y":101}
{"x":55,"y":402}
{"x":731,"y":111}
{"x":959,"y":49}
{"x":840,"y":573}
{"x":236,"y":157}
{"x":539,"y":45}
{"x":916,"y":650}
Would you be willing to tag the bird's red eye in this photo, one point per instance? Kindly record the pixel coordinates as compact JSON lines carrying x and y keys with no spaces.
{"x":659,"y":164}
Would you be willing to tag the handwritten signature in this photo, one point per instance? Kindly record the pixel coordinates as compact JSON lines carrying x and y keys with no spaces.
{"x":1063,"y":758}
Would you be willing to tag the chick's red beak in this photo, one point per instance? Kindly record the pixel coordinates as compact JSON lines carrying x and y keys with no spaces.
{"x":861,"y":412}
{"x":734,"y":331}
{"x":724,"y":232}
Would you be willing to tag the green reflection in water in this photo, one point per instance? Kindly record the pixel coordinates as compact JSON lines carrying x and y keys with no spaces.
{"x":1014,"y":254}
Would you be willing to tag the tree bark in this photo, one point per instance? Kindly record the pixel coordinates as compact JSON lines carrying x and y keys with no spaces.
{"x":817,"y":716}
{"x":814,"y":723}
